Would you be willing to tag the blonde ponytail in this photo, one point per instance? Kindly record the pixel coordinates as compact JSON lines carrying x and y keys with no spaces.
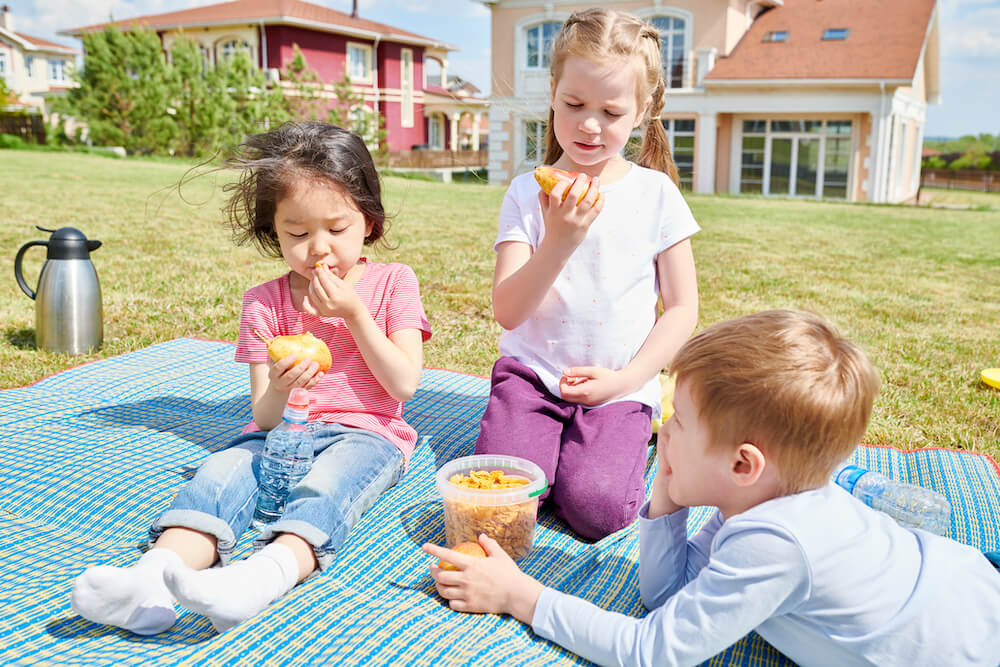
{"x":553,"y":151}
{"x":655,"y":150}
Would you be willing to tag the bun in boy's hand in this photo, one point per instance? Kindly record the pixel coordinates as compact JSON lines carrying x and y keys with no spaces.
{"x":467,"y":548}
{"x":547,"y":177}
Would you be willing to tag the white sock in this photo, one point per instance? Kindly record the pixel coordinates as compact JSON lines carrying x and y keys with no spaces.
{"x":134,"y":598}
{"x":232,"y":594}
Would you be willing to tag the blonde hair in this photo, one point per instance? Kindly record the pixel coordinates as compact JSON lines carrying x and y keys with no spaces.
{"x":597,"y":35}
{"x":786,"y":381}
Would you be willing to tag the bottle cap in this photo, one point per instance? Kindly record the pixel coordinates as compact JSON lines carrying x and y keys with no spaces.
{"x":299,"y":399}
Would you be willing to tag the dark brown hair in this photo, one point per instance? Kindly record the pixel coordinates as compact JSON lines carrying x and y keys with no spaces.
{"x":269,"y":162}
{"x":599,"y":35}
{"x":786,"y":381}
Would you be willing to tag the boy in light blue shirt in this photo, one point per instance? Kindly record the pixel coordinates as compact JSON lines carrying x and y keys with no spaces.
{"x":766,"y":406}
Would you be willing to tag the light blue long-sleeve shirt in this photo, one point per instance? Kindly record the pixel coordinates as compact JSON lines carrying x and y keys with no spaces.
{"x":820,"y":576}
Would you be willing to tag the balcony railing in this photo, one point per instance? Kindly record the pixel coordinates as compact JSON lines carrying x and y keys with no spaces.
{"x":428,"y":158}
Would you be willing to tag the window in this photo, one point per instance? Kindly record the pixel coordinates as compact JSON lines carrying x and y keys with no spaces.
{"x":57,"y":71}
{"x":835,"y":33}
{"x":234,"y":46}
{"x":406,"y":86}
{"x":3,"y":63}
{"x":363,"y":122}
{"x":797,"y":158}
{"x":435,"y":131}
{"x":776,"y":36}
{"x":672,"y":49}
{"x":359,"y":62}
{"x":206,"y":56}
{"x":29,"y":66}
{"x":539,"y":44}
{"x":534,"y":141}
{"x":680,"y":134}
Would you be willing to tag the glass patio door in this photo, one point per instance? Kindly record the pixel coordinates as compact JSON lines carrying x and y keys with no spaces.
{"x":781,"y":167}
{"x":794,"y":166}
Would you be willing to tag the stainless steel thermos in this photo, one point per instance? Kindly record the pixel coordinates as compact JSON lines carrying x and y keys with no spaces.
{"x":68,"y":314}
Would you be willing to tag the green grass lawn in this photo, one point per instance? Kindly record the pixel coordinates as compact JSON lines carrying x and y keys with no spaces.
{"x":918,"y":288}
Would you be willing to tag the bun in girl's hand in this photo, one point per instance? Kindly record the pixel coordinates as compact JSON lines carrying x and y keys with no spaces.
{"x":304,"y":346}
{"x":547,"y":177}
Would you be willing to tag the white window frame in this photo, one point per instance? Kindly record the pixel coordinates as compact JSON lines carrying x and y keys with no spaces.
{"x":29,"y":66}
{"x":688,"y":18}
{"x":406,"y":87}
{"x":224,"y":53}
{"x":435,"y":122}
{"x":539,"y":137}
{"x":543,"y":54}
{"x":57,"y":70}
{"x":769,"y":135}
{"x":366,"y":53}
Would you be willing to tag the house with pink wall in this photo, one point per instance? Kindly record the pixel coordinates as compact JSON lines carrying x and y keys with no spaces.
{"x":385,"y":63}
{"x":790,"y":98}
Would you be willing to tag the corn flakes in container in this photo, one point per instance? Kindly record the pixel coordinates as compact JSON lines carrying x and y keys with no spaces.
{"x":492,"y":494}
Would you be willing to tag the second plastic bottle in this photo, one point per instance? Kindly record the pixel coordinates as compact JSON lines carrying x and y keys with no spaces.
{"x":287,"y":457}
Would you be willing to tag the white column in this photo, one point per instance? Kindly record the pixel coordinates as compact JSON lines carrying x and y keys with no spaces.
{"x":475,"y":130}
{"x":704,"y":163}
{"x":706,"y":61}
{"x":453,"y":139}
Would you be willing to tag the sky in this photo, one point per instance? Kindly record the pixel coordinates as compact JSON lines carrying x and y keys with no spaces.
{"x":970,"y":49}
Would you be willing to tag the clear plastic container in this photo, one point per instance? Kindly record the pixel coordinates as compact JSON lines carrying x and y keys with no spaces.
{"x":506,"y":515}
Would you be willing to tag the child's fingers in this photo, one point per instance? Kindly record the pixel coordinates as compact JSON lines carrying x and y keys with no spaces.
{"x":591,"y":199}
{"x":580,"y":183}
{"x":491,"y":546}
{"x":456,"y":558}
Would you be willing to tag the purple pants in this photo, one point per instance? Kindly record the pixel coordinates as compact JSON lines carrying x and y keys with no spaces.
{"x":593,"y":458}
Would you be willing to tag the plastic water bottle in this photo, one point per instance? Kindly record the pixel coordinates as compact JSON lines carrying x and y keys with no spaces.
{"x":908,"y":504}
{"x":287,"y":457}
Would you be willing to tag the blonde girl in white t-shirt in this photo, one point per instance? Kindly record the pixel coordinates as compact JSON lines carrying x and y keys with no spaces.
{"x":576,"y":283}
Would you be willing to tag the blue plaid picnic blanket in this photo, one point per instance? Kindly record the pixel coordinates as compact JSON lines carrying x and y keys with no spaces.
{"x":90,"y":455}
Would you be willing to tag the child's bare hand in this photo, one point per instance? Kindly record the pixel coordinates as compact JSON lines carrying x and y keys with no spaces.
{"x":285,"y":375}
{"x":591,"y":385}
{"x":566,"y":221}
{"x":330,"y":296}
{"x":492,"y":585}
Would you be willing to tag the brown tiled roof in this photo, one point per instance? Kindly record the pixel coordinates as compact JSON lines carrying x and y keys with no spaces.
{"x":45,"y":44}
{"x":885,"y":41}
{"x":253,"y":11}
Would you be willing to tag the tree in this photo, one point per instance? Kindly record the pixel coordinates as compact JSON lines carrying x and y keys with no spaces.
{"x":350,"y":111}
{"x":201,"y":102}
{"x":306,"y":102}
{"x":124,"y":92}
{"x":258,"y":107}
{"x":7,"y":96}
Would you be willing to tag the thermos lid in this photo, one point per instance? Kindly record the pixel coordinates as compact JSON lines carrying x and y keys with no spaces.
{"x":69,"y":243}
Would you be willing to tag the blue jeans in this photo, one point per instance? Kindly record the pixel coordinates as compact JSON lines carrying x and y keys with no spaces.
{"x":351,"y":468}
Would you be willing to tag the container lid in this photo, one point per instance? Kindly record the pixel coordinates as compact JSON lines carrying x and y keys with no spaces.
{"x":511,"y":465}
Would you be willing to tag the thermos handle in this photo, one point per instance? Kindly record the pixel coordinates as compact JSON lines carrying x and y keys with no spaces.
{"x":17,"y":267}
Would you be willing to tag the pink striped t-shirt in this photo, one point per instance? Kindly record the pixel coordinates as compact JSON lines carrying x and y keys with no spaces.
{"x":348,"y":394}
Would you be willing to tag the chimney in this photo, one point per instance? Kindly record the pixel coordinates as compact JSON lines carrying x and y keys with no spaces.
{"x":354,"y":9}
{"x":6,"y":20}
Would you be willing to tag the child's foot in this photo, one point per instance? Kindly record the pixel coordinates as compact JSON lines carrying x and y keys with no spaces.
{"x":134,"y":598}
{"x":232,"y":594}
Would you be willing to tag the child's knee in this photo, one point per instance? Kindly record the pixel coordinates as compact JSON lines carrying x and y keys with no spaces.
{"x":595,"y":509}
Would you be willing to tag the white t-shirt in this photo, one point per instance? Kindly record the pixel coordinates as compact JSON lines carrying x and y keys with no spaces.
{"x":823,"y":578}
{"x":602,"y":306}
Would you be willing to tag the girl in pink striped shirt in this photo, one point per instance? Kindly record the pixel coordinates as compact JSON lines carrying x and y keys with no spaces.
{"x":309,"y":194}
